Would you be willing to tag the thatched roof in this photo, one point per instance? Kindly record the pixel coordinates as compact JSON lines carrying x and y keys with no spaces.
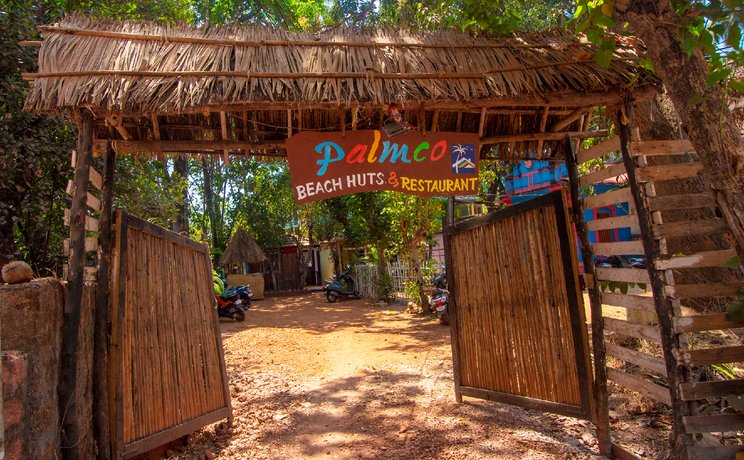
{"x":242,"y":249}
{"x":247,"y":89}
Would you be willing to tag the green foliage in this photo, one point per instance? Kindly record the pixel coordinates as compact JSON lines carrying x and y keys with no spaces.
{"x":146,"y":189}
{"x":34,"y":151}
{"x":383,"y":287}
{"x":711,"y":27}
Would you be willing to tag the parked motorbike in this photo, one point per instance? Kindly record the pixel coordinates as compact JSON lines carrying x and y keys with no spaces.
{"x":234,"y":302}
{"x":440,"y":298}
{"x":620,"y":262}
{"x":342,"y":286}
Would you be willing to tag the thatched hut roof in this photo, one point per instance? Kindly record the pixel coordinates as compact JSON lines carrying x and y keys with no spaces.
{"x":241,"y":249}
{"x":245,"y":90}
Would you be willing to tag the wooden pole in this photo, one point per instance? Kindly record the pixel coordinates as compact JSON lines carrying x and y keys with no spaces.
{"x":100,"y":332}
{"x":449,"y":222}
{"x":601,"y":396}
{"x":68,"y":387}
{"x":669,"y":340}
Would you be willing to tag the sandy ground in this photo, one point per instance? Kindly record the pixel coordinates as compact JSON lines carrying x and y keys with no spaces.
{"x":354,"y":379}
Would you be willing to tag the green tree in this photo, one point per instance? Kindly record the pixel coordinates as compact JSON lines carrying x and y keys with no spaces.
{"x":695,"y":47}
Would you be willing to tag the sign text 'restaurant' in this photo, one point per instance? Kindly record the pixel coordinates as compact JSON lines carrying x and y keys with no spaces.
{"x":324,"y":165}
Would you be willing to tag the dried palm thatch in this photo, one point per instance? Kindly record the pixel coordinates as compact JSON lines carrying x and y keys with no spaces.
{"x":242,"y":249}
{"x":259,"y":85}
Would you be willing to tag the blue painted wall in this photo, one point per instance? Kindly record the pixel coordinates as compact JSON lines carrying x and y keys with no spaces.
{"x":528,"y":180}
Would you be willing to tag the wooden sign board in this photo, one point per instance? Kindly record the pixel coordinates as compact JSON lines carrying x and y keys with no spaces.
{"x":323,"y":165}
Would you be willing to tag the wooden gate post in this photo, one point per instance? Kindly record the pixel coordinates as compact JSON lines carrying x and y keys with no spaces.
{"x":101,"y":319}
{"x":449,"y":222}
{"x":601,"y":408}
{"x":71,"y":431}
{"x":669,"y":340}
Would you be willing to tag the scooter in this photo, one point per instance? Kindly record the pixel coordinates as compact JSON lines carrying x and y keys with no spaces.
{"x":342,"y":286}
{"x":234,"y":302}
{"x":440,"y":298}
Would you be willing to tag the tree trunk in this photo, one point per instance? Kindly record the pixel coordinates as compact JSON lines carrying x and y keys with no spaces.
{"x":418,"y":274}
{"x":181,"y":224}
{"x":710,"y":125}
{"x":209,"y":201}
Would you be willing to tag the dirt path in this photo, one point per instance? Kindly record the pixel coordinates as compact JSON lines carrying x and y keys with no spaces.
{"x":352,"y":379}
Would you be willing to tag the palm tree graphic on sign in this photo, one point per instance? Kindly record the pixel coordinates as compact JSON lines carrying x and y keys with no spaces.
{"x":462,"y":160}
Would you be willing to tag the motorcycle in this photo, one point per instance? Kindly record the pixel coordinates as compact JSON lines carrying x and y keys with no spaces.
{"x":440,"y":298}
{"x":620,"y":262}
{"x":341,"y":286}
{"x":234,"y":302}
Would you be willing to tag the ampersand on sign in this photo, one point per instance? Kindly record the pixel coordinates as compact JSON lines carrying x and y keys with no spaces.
{"x":393,"y":179}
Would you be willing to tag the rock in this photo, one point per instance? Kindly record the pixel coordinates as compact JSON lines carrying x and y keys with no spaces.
{"x":17,"y":272}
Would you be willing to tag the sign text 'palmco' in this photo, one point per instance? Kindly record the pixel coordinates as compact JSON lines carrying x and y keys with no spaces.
{"x":324,"y":165}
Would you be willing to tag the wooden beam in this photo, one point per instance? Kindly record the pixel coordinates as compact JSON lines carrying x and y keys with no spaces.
{"x":101,"y":314}
{"x":91,"y":200}
{"x":640,"y":385}
{"x":696,"y":291}
{"x":600,"y":175}
{"x":289,"y":123}
{"x":630,"y":220}
{"x":168,"y":38}
{"x":673,"y":202}
{"x":639,"y":331}
{"x":125,"y":147}
{"x":710,"y":322}
{"x":690,"y":228}
{"x":354,"y":117}
{"x":482,"y":124}
{"x":91,"y":245}
{"x":717,"y":389}
{"x":601,"y":395}
{"x":223,"y":129}
{"x":91,"y":223}
{"x":435,"y":121}
{"x":714,"y":423}
{"x":526,"y":137}
{"x":633,"y":302}
{"x":651,"y":363}
{"x":568,"y":119}
{"x":596,"y":151}
{"x":628,"y":275}
{"x":698,"y":260}
{"x":543,"y":125}
{"x":670,"y":172}
{"x":71,"y":430}
{"x":656,"y":148}
{"x":618,"y":248}
{"x":708,"y":356}
{"x":715,"y":452}
{"x":95,"y":179}
{"x":623,"y":453}
{"x":115,"y":121}
{"x":665,"y":310}
{"x":368,"y":75}
{"x":621,"y":195}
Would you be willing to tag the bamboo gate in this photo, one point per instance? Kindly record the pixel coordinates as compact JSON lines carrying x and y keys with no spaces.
{"x":166,"y":365}
{"x":518,"y":334}
{"x":152,"y":91}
